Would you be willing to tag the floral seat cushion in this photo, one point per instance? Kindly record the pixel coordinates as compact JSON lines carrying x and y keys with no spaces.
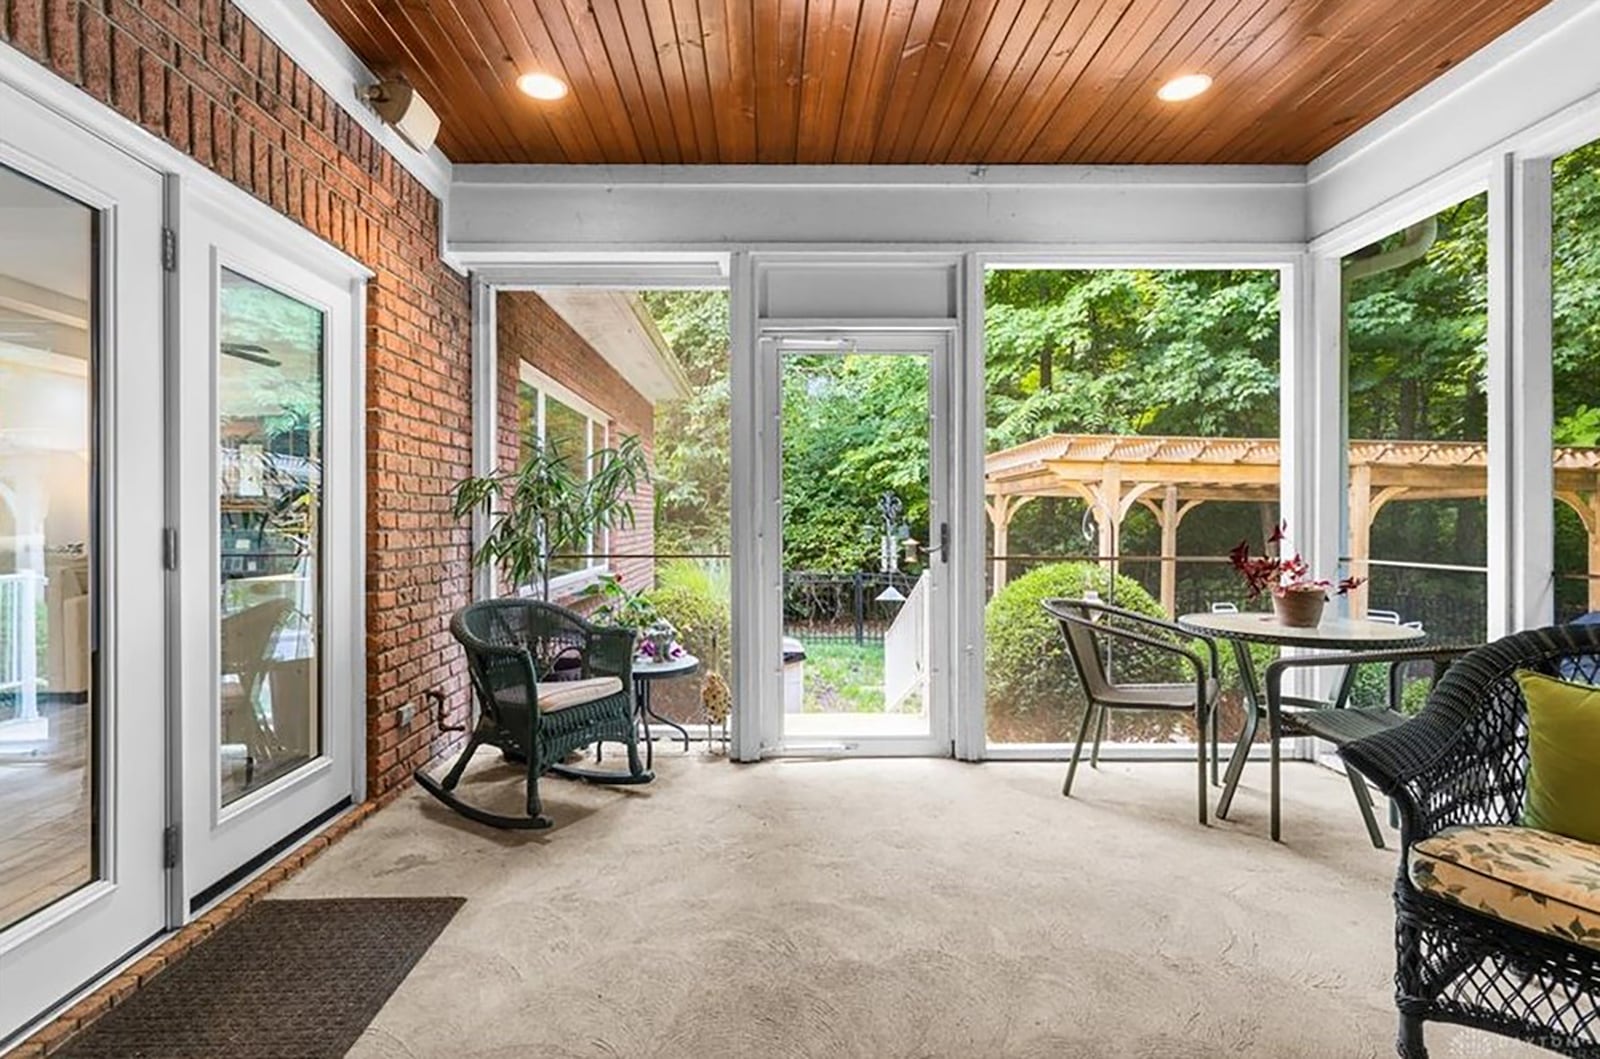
{"x":1544,"y":882}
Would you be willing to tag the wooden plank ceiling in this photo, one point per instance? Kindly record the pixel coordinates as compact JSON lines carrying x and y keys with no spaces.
{"x":912,"y":81}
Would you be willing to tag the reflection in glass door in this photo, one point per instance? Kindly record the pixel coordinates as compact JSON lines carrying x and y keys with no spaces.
{"x":269,"y":466}
{"x":47,"y":548}
{"x":273,"y":556}
{"x":83,"y":694}
{"x":864,"y":543}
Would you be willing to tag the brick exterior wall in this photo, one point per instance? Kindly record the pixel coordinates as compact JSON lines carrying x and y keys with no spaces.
{"x":199,"y":75}
{"x":529,"y":330}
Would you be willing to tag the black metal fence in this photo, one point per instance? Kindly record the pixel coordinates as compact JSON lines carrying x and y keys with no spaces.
{"x":833,"y":607}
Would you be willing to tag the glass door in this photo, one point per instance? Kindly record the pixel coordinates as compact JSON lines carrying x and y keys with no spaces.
{"x":272,"y":554}
{"x":865,"y":538}
{"x":83,"y":723}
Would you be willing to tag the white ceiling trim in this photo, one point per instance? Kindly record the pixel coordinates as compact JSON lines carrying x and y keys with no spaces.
{"x":295,"y":26}
{"x":1533,"y":90}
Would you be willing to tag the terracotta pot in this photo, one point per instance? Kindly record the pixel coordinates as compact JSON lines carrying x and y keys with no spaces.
{"x":1299,"y":609}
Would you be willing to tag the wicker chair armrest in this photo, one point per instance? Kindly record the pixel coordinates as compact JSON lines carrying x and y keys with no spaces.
{"x":1391,"y":759}
{"x":1435,"y":769}
{"x":610,"y":653}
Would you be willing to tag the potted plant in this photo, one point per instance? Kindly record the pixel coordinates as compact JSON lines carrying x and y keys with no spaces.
{"x":655,"y":637}
{"x":546,"y":504}
{"x":1297,"y":596}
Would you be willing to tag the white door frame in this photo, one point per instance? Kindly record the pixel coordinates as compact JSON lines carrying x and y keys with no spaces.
{"x":54,"y":952}
{"x":221,"y":842}
{"x":938,"y":342}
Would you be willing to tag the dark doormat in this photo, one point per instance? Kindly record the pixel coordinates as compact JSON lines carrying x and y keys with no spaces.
{"x":286,"y":980}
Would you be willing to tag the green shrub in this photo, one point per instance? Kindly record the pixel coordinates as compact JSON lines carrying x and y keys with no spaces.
{"x":1371,"y":688}
{"x":1033,"y":693}
{"x":695,"y":598}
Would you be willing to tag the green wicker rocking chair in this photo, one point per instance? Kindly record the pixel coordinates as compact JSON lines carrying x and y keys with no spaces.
{"x":515,"y":649}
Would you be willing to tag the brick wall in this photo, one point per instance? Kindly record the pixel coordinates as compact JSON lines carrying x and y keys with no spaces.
{"x":529,"y":330}
{"x":200,"y":76}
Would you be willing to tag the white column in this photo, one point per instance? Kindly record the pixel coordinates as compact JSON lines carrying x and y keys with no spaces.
{"x":967,"y":680}
{"x":757,"y":665}
{"x":1311,"y":427}
{"x":1312,"y":424}
{"x":1532,"y":477}
{"x":485,"y":415}
{"x":1521,"y":481}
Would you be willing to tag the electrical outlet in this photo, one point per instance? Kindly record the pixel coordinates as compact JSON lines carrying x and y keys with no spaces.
{"x":407,"y":713}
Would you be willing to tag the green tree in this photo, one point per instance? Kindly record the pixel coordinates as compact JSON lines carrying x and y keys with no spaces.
{"x":692,"y":450}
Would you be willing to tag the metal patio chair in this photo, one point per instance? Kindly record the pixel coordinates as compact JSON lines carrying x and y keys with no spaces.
{"x":1337,"y":721}
{"x":1120,"y":658}
{"x":514,"y":647}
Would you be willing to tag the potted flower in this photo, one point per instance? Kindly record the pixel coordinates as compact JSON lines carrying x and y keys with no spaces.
{"x":1297,"y":596}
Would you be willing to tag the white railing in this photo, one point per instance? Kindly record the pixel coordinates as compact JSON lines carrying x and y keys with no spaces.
{"x":19,"y":648}
{"x":905,"y":647}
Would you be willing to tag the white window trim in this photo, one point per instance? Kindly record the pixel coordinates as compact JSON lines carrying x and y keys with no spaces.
{"x":534,"y":377}
{"x":576,"y":580}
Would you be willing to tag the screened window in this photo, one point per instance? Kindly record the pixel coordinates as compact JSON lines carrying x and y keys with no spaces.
{"x":1416,"y":412}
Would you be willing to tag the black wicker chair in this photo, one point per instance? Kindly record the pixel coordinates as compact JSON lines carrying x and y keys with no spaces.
{"x":1121,"y":659}
{"x":515,"y":647}
{"x":1463,"y":762}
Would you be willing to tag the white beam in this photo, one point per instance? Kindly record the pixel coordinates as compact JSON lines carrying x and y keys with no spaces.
{"x":501,"y":211}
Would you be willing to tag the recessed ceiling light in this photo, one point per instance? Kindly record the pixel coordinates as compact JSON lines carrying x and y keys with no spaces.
{"x":1186,"y":87}
{"x":542,"y":86}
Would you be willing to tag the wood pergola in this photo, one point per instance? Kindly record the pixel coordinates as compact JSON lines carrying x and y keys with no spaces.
{"x":1171,"y":476}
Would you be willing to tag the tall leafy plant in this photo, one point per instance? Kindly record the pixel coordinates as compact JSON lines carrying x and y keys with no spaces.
{"x":547,"y":504}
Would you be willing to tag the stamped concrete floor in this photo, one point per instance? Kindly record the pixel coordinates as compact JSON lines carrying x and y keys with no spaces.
{"x":888,"y":908}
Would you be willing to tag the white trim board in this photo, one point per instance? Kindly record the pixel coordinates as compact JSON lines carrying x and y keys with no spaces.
{"x":306,"y":37}
{"x":499,"y":213}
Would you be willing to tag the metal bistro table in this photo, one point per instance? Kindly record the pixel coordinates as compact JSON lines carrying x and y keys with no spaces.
{"x":643,"y":674}
{"x":1333,"y":635}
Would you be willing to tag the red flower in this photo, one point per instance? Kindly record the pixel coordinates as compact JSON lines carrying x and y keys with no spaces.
{"x":1280,"y":574}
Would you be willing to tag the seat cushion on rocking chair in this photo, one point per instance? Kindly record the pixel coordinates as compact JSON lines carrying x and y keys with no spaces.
{"x":1538,"y":880}
{"x":563,"y":694}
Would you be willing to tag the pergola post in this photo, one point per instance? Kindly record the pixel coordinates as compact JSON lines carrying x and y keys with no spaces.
{"x":1169,"y":550}
{"x":1000,"y":513}
{"x":1360,"y":533}
{"x":1594,"y":551}
{"x":1108,"y":499}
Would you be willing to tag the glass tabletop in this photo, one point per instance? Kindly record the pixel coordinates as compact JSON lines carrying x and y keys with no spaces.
{"x":1345,"y":634}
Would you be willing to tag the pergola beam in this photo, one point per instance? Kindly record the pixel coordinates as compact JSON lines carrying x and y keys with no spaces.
{"x":1112,"y":474}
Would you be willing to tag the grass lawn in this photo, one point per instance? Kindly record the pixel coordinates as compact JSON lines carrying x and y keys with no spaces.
{"x":843,"y":678}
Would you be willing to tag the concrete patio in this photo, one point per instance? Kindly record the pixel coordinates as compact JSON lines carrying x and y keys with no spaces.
{"x":889,"y":908}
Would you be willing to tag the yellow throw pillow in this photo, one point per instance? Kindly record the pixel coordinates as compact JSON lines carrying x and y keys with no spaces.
{"x":1563,"y":756}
